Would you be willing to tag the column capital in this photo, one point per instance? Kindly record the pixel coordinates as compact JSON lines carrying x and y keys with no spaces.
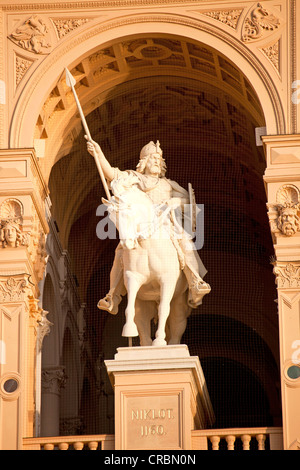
{"x":287,"y":275}
{"x":53,"y":379}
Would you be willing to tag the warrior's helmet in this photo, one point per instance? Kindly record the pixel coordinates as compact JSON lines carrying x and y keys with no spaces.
{"x":148,"y":150}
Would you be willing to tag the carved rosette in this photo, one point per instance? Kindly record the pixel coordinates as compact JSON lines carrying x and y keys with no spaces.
{"x":284,"y":216}
{"x":287,"y":275}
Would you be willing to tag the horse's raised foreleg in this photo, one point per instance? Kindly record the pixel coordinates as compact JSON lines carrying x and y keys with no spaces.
{"x":133,"y":283}
{"x":167,"y":291}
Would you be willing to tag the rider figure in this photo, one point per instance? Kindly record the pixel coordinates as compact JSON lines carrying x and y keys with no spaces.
{"x":150,"y":172}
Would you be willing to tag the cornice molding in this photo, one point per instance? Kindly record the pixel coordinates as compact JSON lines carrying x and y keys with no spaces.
{"x":92,"y":5}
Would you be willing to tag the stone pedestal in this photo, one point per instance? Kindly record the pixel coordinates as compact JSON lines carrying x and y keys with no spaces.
{"x":160,"y":396}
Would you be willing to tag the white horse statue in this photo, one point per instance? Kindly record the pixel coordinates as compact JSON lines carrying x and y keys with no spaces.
{"x":156,"y":285}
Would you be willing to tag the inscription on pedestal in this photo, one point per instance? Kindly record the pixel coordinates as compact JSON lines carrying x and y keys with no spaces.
{"x":153,"y":422}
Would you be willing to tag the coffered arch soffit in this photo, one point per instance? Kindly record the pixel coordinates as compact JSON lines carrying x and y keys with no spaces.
{"x":170,"y":45}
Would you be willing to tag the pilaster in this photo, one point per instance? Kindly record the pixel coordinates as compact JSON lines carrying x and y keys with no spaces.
{"x":282,"y":178}
{"x":22,"y":260}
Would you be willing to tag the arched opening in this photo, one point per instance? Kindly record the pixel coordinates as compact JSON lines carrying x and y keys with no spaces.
{"x":204,"y":115}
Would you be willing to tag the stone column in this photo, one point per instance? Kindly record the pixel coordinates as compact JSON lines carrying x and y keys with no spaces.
{"x":282,"y":178}
{"x":22,"y":262}
{"x":53,"y":379}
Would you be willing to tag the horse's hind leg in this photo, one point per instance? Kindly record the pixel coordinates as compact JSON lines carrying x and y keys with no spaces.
{"x":177,"y":320}
{"x":133,"y":285}
{"x":167,"y":291}
{"x":144,"y":312}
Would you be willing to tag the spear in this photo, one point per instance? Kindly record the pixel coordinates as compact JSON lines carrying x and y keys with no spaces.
{"x":71,"y":82}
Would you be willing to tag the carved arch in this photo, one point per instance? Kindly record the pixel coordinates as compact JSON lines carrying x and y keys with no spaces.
{"x":68,"y":52}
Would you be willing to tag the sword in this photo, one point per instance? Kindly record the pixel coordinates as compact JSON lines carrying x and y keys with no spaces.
{"x":71,"y":82}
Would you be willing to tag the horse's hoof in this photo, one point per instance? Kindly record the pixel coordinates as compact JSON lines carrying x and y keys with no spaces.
{"x":159,"y":342}
{"x":130,"y":330}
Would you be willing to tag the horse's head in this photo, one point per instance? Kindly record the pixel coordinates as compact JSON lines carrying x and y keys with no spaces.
{"x":121,"y":185}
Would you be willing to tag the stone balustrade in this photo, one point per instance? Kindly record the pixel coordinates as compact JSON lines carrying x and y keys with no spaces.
{"x":265,"y":438}
{"x":92,"y":442}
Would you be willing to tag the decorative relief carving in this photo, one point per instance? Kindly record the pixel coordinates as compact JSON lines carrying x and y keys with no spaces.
{"x":44,"y":328}
{"x":37,"y":247}
{"x":22,"y":65}
{"x":284,"y":216}
{"x":32,"y":35}
{"x":11,"y":209}
{"x":272,"y":53}
{"x":11,"y":235}
{"x":39,"y":319}
{"x":258,"y":22}
{"x":228,"y":17}
{"x":13,"y":288}
{"x":65,"y":26}
{"x":287,"y":275}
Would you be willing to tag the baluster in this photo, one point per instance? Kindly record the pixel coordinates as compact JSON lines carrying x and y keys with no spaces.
{"x":63,"y":446}
{"x":215,"y":442}
{"x":230,"y":442}
{"x":78,"y":445}
{"x":48,"y":446}
{"x":261,"y":441}
{"x":93,"y":445}
{"x":246,"y":441}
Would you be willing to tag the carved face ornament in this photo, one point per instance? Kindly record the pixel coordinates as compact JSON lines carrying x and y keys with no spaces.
{"x":288,"y":220}
{"x":10,"y":234}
